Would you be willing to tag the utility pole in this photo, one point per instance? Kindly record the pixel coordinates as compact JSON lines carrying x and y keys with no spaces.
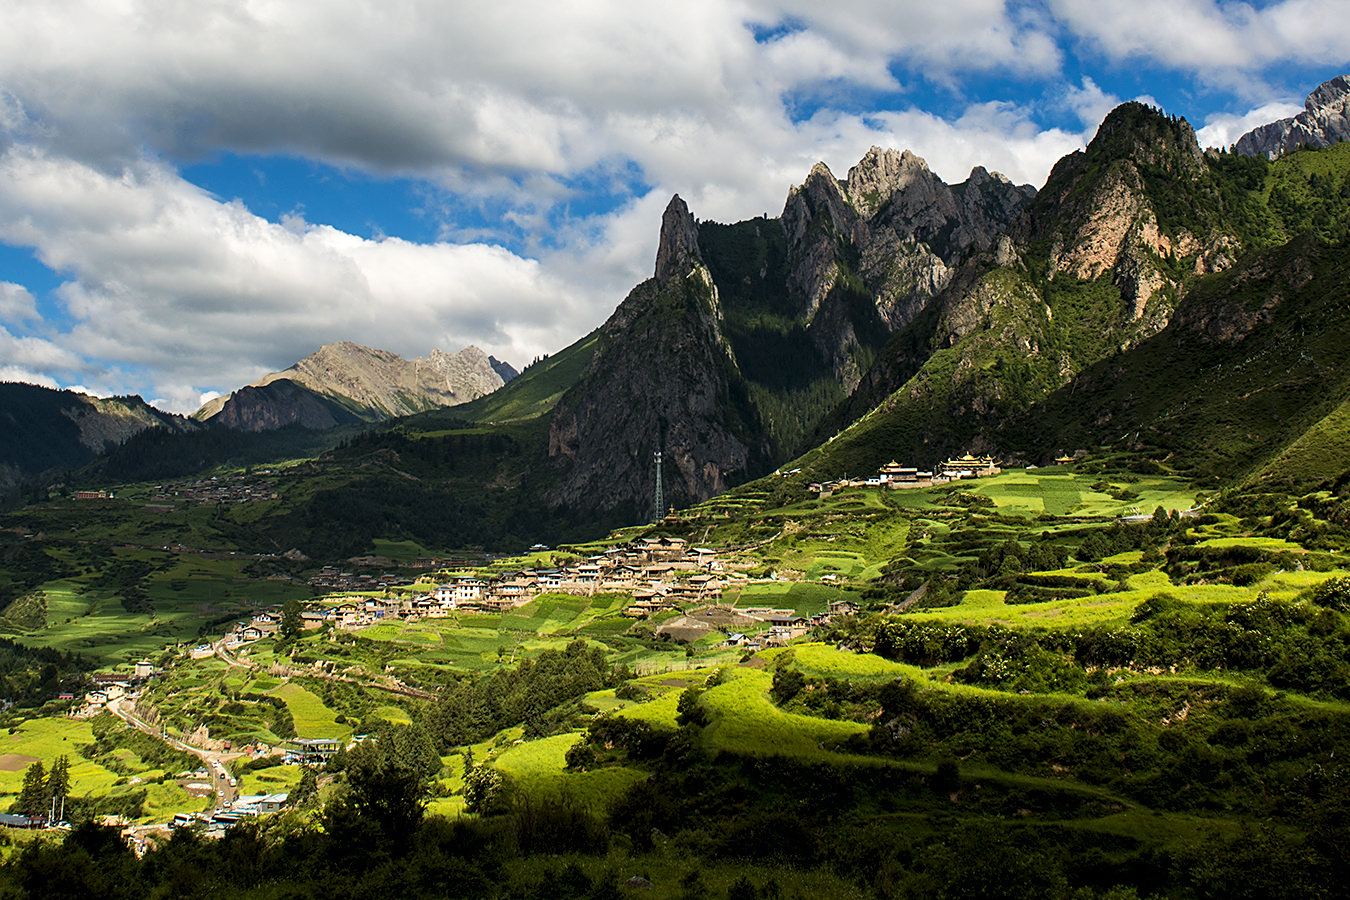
{"x":660,"y":492}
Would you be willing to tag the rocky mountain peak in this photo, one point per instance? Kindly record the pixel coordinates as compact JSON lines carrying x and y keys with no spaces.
{"x":345,"y":381}
{"x":678,"y":250}
{"x":980,"y":176}
{"x":1325,"y":120}
{"x":816,"y":217}
{"x":882,"y":173}
{"x":1144,"y":134}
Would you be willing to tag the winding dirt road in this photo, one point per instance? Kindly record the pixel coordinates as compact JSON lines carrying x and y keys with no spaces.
{"x":227,"y":789}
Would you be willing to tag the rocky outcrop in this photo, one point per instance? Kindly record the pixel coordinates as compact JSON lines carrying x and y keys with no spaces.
{"x":884,"y":176}
{"x":819,"y":222}
{"x":1097,"y":214}
{"x":662,"y":377}
{"x":677,"y":251}
{"x":504,"y":370}
{"x":368,"y":384}
{"x":1325,"y":120}
{"x":927,"y":229}
{"x":279,"y":404}
{"x":866,"y":255}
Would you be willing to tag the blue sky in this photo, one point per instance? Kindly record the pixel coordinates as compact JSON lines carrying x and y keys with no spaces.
{"x":188,"y":202}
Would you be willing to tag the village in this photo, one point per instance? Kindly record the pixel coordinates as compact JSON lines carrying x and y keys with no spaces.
{"x":663,"y":575}
{"x":668,"y":579}
{"x":896,"y":477}
{"x":659,"y":572}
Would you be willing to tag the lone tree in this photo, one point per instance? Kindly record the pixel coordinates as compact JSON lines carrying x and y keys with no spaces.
{"x":33,"y":796}
{"x":290,"y":620}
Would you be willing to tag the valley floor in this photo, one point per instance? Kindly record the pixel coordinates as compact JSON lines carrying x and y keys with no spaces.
{"x":1099,"y":677}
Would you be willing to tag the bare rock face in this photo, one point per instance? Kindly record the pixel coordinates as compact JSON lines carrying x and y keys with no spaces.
{"x":921,"y":229}
{"x":817,"y":218}
{"x":854,"y":261}
{"x":346,"y":381}
{"x":278,"y":404}
{"x":1325,"y":120}
{"x":678,"y":249}
{"x":882,"y":175}
{"x":1098,"y":214}
{"x":662,"y":377}
{"x":867,"y":255}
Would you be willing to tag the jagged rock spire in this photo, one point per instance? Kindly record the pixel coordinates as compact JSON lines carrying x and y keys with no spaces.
{"x":880,"y":174}
{"x":678,"y":250}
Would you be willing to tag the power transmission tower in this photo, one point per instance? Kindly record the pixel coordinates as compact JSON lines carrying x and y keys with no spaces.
{"x":660,"y":491}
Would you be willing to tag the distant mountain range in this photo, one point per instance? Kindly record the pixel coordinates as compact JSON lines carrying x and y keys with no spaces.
{"x":1184,"y":306}
{"x":344,"y":382}
{"x":43,"y":429}
{"x":1325,"y":120}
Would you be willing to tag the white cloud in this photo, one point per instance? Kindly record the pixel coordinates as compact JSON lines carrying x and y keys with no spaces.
{"x":205,"y":294}
{"x":16,"y":303}
{"x":466,"y":87}
{"x":34,"y":353}
{"x":1223,"y":129}
{"x":1222,"y":42}
{"x":26,"y":376}
{"x":506,"y":102}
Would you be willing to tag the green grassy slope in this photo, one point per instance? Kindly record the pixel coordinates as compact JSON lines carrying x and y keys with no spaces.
{"x":1320,"y":454}
{"x":1220,"y":396}
{"x":1254,"y":358}
{"x":533,"y":392}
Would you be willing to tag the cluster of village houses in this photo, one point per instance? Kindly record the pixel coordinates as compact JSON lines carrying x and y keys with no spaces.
{"x":897,"y":477}
{"x":218,"y":821}
{"x":229,"y":489}
{"x":660,"y":572}
{"x":784,"y":624}
{"x":110,"y":687}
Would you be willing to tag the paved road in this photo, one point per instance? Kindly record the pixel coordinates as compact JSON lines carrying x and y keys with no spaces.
{"x":227,"y":790}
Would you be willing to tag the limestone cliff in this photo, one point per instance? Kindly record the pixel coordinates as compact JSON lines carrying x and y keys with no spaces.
{"x":662,"y":377}
{"x":1325,"y":120}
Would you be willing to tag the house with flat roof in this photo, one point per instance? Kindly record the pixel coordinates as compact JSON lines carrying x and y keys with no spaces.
{"x":311,"y":751}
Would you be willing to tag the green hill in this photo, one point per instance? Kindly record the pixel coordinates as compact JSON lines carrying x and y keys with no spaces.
{"x":1209,"y":335}
{"x":43,"y":429}
{"x":532,"y":393}
{"x":1254,"y":359}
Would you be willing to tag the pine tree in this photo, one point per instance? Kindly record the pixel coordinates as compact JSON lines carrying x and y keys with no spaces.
{"x":307,"y":790}
{"x":58,"y":781}
{"x":33,"y":796}
{"x":290,"y":620}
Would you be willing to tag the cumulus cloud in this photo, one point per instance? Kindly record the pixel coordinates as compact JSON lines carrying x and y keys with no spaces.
{"x":26,"y":376}
{"x":1220,"y":41}
{"x":34,"y":353}
{"x":207,"y":295}
{"x":512,"y":105}
{"x":1223,"y":129}
{"x":503,"y":87}
{"x":16,"y":303}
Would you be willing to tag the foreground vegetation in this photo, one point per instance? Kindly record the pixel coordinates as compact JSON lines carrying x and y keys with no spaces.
{"x":1081,"y":681}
